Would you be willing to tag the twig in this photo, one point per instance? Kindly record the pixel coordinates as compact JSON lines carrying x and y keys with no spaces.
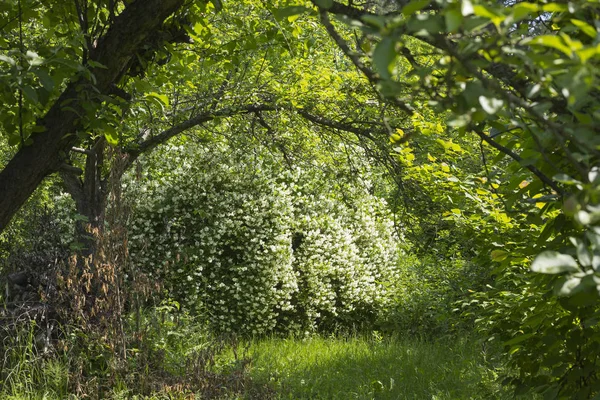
{"x":543,"y":177}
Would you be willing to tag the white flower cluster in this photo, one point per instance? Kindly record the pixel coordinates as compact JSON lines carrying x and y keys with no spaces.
{"x":256,"y":248}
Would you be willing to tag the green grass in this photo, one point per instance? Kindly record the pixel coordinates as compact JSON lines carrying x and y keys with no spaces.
{"x":350,"y":367}
{"x":373,"y":368}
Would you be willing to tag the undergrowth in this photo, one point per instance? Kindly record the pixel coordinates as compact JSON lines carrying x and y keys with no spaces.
{"x":174,"y":356}
{"x":168,"y":354}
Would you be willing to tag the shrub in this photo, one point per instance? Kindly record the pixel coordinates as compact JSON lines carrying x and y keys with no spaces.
{"x":258,"y":248}
{"x":423,"y":298}
{"x":41,"y":233}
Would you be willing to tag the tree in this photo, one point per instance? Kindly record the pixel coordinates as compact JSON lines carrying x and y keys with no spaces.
{"x":105,"y":60}
{"x":155,"y":92}
{"x":523,"y":79}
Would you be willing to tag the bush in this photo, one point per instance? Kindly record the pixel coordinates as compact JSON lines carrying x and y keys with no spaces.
{"x":41,"y":233}
{"x":257,"y":248}
{"x":425,"y":296}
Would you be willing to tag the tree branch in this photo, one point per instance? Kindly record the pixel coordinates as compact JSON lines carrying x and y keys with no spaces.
{"x":136,"y":150}
{"x":319,"y":120}
{"x":543,"y":177}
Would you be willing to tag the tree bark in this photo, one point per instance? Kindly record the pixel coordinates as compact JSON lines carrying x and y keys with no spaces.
{"x":89,"y":195}
{"x":32,"y":163}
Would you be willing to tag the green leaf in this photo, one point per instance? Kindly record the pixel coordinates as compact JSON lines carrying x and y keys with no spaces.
{"x":374,"y":20}
{"x":555,"y":7}
{"x":460,"y":121}
{"x":553,"y":41}
{"x":111,"y":135}
{"x":583,"y":254}
{"x":14,"y":140}
{"x":583,"y":217}
{"x":523,"y":10}
{"x":96,"y":64}
{"x":566,"y":179}
{"x":585,"y":28}
{"x":518,"y":339}
{"x":584,"y":285}
{"x":324,"y":4}
{"x":414,"y":6}
{"x":485,"y":12}
{"x":491,"y":105}
{"x":426,"y":24}
{"x":163,"y":99}
{"x":45,"y":79}
{"x":218,"y":5}
{"x":33,"y":58}
{"x":7,"y":59}
{"x":567,"y":286}
{"x":282,"y":13}
{"x":453,"y":20}
{"x":553,"y":262}
{"x":30,"y":94}
{"x":384,"y":57}
{"x":499,"y":255}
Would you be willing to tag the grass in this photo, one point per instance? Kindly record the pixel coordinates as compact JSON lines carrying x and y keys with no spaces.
{"x":335,"y":367}
{"x":373,"y":368}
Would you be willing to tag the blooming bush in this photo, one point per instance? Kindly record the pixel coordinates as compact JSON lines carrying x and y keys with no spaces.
{"x":257,"y":248}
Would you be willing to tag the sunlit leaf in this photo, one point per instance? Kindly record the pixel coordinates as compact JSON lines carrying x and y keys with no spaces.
{"x":499,"y":255}
{"x":491,"y":105}
{"x":552,"y":262}
{"x":553,"y":41}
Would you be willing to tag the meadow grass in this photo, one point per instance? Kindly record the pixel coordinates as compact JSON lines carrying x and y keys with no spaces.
{"x":315,"y":367}
{"x":363,"y":367}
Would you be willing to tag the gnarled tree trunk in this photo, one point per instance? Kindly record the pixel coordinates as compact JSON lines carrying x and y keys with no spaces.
{"x":114,"y":50}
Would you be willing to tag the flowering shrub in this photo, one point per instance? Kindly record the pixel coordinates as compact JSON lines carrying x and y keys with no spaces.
{"x":256,"y":248}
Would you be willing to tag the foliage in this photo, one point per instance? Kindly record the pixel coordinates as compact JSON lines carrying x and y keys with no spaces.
{"x":171,"y":355}
{"x":258,"y":248}
{"x":492,"y":111}
{"x":41,"y":234}
{"x":523,"y":79}
{"x":424,"y":294}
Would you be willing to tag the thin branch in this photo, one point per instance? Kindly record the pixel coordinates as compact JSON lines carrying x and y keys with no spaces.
{"x":271,"y":132}
{"x":80,"y":150}
{"x":370,"y":75}
{"x":487,"y":173}
{"x":353,"y":56}
{"x":543,"y":177}
{"x":366,"y":133}
{"x":319,"y":120}
{"x":71,"y":169}
{"x":83,"y":24}
{"x":136,"y":150}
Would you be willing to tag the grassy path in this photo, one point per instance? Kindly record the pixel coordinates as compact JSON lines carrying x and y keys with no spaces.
{"x":372,"y":368}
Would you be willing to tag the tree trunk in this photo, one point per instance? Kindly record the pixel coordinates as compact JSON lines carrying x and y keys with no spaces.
{"x":90,"y":195}
{"x":32,"y":163}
